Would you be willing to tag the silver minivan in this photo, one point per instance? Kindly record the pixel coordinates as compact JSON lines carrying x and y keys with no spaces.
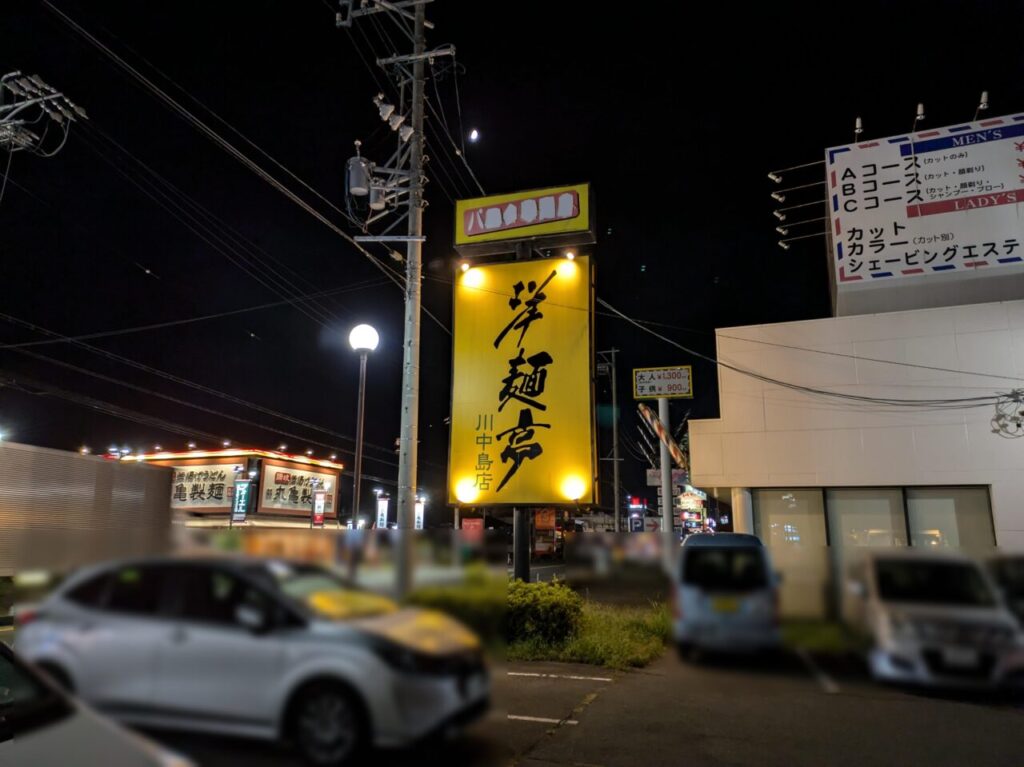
{"x":725,"y":595}
{"x":934,"y":618}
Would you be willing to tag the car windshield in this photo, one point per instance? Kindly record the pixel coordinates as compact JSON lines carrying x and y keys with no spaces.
{"x":326,"y":594}
{"x":1009,"y":574}
{"x":945,"y":583}
{"x":725,"y":569}
{"x":25,"y":702}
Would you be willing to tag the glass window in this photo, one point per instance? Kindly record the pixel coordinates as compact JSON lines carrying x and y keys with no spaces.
{"x":92,"y":592}
{"x":135,"y":589}
{"x":791,"y":523}
{"x":212,"y":595}
{"x":950,"y":517}
{"x":947,"y":583}
{"x":25,"y":702}
{"x":726,"y":569}
{"x":866,"y":517}
{"x":790,"y":518}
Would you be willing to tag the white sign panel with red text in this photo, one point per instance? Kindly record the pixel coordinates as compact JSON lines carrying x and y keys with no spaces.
{"x":933,"y":202}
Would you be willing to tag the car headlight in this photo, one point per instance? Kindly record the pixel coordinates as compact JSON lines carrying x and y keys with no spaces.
{"x":403,"y":658}
{"x":398,"y":657}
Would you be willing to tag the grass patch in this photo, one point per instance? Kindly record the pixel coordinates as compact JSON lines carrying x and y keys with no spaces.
{"x":819,"y":636}
{"x":611,"y":636}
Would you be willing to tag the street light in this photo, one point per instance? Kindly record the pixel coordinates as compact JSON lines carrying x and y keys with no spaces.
{"x":363,"y":339}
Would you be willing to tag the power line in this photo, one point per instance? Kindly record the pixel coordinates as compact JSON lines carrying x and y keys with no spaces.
{"x":203,"y":231}
{"x":7,"y":172}
{"x":184,"y":382}
{"x":230,"y":149}
{"x":182,"y":402}
{"x":19,"y":383}
{"x":947,"y":403}
{"x":190,"y":320}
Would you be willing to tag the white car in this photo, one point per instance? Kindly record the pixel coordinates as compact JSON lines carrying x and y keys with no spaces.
{"x":725,"y":595}
{"x":934,"y":619}
{"x":41,"y":726}
{"x":260,"y":648}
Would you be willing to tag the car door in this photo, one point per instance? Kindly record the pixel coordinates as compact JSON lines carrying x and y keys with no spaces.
{"x":114,"y":643}
{"x":211,"y":665}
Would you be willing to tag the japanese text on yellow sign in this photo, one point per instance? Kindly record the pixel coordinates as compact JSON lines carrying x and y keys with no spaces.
{"x":520,"y":215}
{"x":522,"y":416}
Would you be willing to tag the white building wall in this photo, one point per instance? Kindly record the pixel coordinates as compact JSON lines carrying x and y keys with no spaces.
{"x":770,"y":436}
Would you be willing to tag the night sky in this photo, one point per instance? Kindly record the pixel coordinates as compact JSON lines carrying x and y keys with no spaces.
{"x":674,"y":112}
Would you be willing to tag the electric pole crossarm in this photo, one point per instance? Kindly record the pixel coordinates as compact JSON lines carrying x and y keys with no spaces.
{"x":417,"y":58}
{"x":381,"y":6}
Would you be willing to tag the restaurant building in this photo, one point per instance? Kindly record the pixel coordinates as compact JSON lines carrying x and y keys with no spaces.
{"x":279,"y":489}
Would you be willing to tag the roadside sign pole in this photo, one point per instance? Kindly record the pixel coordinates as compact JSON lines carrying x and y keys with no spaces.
{"x":521,"y":544}
{"x":666,"y":484}
{"x":615,"y":445}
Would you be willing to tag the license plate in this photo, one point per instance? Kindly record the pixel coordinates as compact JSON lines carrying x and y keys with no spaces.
{"x":725,"y":604}
{"x":960,"y":656}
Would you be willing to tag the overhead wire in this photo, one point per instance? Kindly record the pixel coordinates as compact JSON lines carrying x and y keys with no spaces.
{"x":7,"y":173}
{"x":190,"y":320}
{"x":184,"y":381}
{"x":231,"y":149}
{"x":647,"y":324}
{"x":190,"y":219}
{"x":186,"y":403}
{"x":240,"y":243}
{"x":943,"y":403}
{"x":18,"y":383}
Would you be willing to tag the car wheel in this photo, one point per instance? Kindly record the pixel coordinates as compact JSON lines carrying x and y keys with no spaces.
{"x":58,"y":676}
{"x":328,"y":725}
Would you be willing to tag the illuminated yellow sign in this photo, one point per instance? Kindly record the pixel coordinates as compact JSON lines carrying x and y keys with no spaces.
{"x":523,"y":215}
{"x":522,"y":427}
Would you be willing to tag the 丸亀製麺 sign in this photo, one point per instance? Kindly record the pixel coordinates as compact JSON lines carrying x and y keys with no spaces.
{"x":287,"y":489}
{"x":936,"y":202}
{"x":199,"y":488}
{"x":669,"y":382}
{"x":522,"y":403}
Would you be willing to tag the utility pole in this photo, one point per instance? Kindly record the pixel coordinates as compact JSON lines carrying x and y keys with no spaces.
{"x":409,"y":435}
{"x":374,"y":192}
{"x":615,"y":445}
{"x":615,"y":439}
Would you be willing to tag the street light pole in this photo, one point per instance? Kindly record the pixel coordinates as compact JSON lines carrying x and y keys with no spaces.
{"x":363,"y":339}
{"x":357,"y":468}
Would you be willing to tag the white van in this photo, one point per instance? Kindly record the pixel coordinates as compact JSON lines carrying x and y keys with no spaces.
{"x":725,"y":595}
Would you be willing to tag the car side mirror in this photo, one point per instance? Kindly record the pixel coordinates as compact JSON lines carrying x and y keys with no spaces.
{"x":856,"y":589}
{"x":252,"y":618}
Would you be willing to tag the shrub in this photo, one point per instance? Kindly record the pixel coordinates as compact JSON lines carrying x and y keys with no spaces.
{"x":613,"y":636}
{"x":548,"y":612}
{"x":479,"y":603}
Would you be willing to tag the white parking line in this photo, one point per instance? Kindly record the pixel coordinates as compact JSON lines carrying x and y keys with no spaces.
{"x":561,"y":676}
{"x":826,"y":682}
{"x":541,"y":719}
